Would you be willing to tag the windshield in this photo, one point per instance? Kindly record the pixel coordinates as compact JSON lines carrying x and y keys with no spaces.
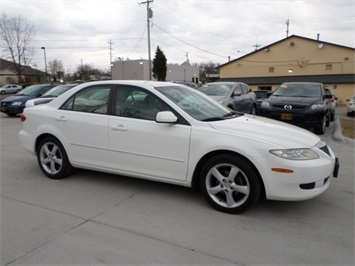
{"x":216,"y":89}
{"x":196,"y":104}
{"x":29,"y":91}
{"x":299,"y":90}
{"x":261,"y":94}
{"x":56,"y":91}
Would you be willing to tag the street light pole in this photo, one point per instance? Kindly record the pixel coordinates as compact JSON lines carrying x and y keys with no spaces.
{"x":45,"y":61}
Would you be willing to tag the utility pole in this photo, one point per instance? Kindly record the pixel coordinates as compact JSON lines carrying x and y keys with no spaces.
{"x":149,"y":15}
{"x":287,"y":23}
{"x":111,"y":49}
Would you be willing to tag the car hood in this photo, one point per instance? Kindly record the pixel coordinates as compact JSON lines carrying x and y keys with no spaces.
{"x":306,"y":101}
{"x":18,"y":98}
{"x":268,"y":130}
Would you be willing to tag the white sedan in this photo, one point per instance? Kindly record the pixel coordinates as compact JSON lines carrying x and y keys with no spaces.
{"x":171,"y":133}
{"x":351,"y":106}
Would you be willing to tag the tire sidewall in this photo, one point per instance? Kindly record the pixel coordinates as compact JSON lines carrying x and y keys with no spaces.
{"x":246,"y":168}
{"x":66,"y":166}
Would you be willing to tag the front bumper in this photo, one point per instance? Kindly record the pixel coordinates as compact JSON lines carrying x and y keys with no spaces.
{"x":11,"y":110}
{"x":309,"y":178}
{"x":305,"y":119}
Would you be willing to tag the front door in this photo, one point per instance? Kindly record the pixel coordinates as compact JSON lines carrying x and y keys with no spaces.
{"x":139,"y":145}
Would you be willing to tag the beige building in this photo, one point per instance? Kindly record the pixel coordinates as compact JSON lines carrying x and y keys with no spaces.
{"x":296,"y":58}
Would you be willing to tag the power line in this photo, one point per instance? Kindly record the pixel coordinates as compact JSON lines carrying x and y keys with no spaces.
{"x":198,"y":48}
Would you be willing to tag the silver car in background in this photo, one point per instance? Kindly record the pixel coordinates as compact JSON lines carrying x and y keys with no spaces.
{"x":235,"y":95}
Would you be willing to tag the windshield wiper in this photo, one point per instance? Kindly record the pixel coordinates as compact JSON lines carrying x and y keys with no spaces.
{"x":215,"y":118}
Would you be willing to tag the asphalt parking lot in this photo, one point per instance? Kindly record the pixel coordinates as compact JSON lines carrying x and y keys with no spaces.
{"x":93,"y":218}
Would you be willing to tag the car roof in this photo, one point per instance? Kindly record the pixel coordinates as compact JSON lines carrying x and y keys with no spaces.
{"x":132,"y":82}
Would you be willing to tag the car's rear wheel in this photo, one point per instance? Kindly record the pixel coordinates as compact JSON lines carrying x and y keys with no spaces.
{"x":230,"y":184}
{"x":52,"y":158}
{"x":320,"y":130}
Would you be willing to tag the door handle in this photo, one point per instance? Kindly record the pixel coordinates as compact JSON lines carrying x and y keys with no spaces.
{"x":119,"y":128}
{"x":61,"y":118}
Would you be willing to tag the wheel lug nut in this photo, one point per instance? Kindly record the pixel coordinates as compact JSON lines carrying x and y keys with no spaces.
{"x":224,"y":180}
{"x":222,"y":186}
{"x":230,"y":181}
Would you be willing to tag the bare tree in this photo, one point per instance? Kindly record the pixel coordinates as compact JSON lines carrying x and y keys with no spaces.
{"x":16,"y":38}
{"x":56,"y":69}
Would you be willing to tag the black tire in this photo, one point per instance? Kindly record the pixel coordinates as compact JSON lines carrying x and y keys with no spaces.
{"x":332,"y":115}
{"x":320,"y":130}
{"x":230,"y":184}
{"x":52,"y":159}
{"x":2,"y":92}
{"x":327,"y":122}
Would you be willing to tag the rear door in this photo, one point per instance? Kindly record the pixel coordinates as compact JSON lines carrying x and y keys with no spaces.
{"x":82,"y":123}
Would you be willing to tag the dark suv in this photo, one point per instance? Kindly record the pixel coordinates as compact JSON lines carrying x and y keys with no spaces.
{"x":299,"y":103}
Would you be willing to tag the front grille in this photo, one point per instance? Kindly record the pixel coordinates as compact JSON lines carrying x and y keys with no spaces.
{"x":294,"y":107}
{"x":3,"y":104}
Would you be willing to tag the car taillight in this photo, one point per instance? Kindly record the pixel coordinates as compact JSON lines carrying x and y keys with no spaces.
{"x":22,"y":117}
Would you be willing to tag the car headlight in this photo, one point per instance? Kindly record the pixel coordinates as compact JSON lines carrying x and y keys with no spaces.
{"x":318,"y":106}
{"x":16,"y":103}
{"x":265,"y":104}
{"x":295,"y":154}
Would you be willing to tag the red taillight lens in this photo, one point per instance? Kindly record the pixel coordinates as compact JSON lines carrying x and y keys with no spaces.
{"x":22,"y":117}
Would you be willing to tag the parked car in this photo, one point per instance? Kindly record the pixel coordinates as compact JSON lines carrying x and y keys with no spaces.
{"x":299,"y":103}
{"x":187,"y":83}
{"x":171,"y":133}
{"x":50,"y":95}
{"x":14,"y":105}
{"x":261,"y":95}
{"x":235,"y":95}
{"x":331,"y":103}
{"x":10,"y":88}
{"x":351,"y":106}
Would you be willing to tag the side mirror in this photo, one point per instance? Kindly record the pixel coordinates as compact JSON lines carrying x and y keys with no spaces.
{"x":166,"y":117}
{"x":236,"y":93}
{"x":269,"y":93}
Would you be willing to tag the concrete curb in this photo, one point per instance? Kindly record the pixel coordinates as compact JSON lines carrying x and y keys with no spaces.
{"x":337,"y":134}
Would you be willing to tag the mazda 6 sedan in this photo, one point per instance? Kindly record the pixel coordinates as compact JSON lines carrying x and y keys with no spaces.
{"x":171,"y":133}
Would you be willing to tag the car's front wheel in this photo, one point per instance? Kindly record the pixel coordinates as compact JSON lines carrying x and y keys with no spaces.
{"x":230,"y":184}
{"x":52,"y":158}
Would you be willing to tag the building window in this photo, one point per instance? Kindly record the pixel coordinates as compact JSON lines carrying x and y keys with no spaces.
{"x":266,"y":88}
{"x":329,"y":67}
{"x":271,"y":69}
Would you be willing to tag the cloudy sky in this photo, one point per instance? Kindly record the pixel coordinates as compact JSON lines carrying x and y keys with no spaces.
{"x":80,"y":31}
